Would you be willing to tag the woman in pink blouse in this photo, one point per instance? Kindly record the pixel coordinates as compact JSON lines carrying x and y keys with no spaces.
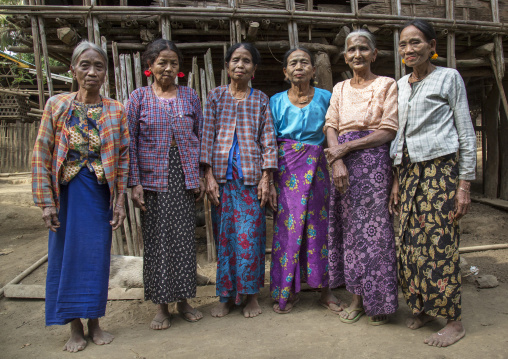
{"x":360,"y":123}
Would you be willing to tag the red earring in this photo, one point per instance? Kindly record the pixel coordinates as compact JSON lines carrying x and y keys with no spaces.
{"x":180,"y":74}
{"x":252,"y":78}
{"x":148,"y":73}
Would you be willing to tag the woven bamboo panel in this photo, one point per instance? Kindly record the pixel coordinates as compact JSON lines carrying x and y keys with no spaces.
{"x":13,"y":106}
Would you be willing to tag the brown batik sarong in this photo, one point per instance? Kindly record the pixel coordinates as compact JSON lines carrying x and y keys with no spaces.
{"x":429,"y":271}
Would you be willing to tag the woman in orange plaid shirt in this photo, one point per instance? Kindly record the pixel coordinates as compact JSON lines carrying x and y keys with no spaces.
{"x":80,"y":159}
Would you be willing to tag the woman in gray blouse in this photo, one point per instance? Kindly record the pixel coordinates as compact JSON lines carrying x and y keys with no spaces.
{"x":435,"y":156}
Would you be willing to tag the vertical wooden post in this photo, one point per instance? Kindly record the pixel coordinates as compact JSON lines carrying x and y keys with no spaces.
{"x":89,"y":22}
{"x":104,"y":45}
{"x":195,"y":75}
{"x":37,"y":54}
{"x":498,"y":41}
{"x":165,"y":22}
{"x":450,"y":38}
{"x":490,"y":111}
{"x":123,"y":79}
{"x":503,"y":151}
{"x":292,"y":26}
{"x":309,"y":6}
{"x":118,"y":74}
{"x":400,"y":69}
{"x":130,"y":81}
{"x":138,"y":70}
{"x":42,"y":34}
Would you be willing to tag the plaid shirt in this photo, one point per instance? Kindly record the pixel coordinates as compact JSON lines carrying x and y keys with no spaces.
{"x":51,"y":147}
{"x":152,"y":126}
{"x":252,"y":121}
{"x":435,"y":120}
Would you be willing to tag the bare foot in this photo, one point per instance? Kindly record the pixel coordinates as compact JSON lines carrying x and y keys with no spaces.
{"x":161,"y":319}
{"x":289,"y":305}
{"x":418,"y":321}
{"x":187,"y":312}
{"x":222,"y":309}
{"x":77,"y":341}
{"x":99,"y":336}
{"x":252,"y":308}
{"x":330,"y":301}
{"x":450,"y":334}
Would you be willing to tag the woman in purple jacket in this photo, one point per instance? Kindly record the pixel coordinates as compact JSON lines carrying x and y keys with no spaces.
{"x":165,"y":122}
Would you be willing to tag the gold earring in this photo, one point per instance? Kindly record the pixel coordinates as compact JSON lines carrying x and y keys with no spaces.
{"x":403,"y":61}
{"x":433,"y":57}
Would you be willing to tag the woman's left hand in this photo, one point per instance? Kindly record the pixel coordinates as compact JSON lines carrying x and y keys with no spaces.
{"x":336,"y":152}
{"x":200,"y":190}
{"x":264,"y":189}
{"x":462,"y":199}
{"x":118,"y":213}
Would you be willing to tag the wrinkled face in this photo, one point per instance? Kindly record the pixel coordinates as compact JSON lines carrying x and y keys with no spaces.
{"x":299,"y":68}
{"x":240,"y":67}
{"x":358,"y":54}
{"x":89,"y":71}
{"x":414,"y":47}
{"x":165,"y":68}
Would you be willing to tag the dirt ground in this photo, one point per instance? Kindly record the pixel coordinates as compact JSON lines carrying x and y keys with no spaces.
{"x":308,"y":331}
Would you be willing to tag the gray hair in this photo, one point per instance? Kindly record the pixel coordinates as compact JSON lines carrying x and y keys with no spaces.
{"x":87,"y":45}
{"x":371,"y":39}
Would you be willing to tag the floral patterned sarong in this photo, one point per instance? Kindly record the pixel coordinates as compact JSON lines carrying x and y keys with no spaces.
{"x":300,"y":248}
{"x":429,"y":271}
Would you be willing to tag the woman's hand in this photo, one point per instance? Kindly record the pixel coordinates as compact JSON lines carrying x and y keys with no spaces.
{"x":200,"y":191}
{"x":335,"y":153}
{"x":50,"y":218}
{"x":212,"y":188}
{"x":340,"y":176}
{"x":264,"y":189}
{"x":118,"y":215}
{"x":137,"y":197}
{"x":462,"y":199}
{"x":394,"y":204}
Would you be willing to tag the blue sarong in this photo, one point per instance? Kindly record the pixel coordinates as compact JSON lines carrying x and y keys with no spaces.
{"x":79,"y":252}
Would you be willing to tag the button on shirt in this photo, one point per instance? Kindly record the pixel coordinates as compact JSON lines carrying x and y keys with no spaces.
{"x":435,"y":120}
{"x":300,"y":124}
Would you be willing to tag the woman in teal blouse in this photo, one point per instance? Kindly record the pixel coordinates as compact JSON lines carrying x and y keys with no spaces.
{"x":300,"y":248}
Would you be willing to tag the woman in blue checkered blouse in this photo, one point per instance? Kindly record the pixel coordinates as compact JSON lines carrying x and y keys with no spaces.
{"x":239,"y":151}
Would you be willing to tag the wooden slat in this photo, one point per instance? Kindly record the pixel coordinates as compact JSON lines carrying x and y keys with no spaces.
{"x":138,"y":70}
{"x":130,"y":81}
{"x":118,"y":74}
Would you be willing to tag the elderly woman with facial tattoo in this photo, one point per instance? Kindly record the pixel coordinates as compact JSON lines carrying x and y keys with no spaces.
{"x":239,"y":152}
{"x":80,"y":160}
{"x":360,"y":123}
{"x":433,"y":182}
{"x":165,"y":122}
{"x":300,"y":236}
